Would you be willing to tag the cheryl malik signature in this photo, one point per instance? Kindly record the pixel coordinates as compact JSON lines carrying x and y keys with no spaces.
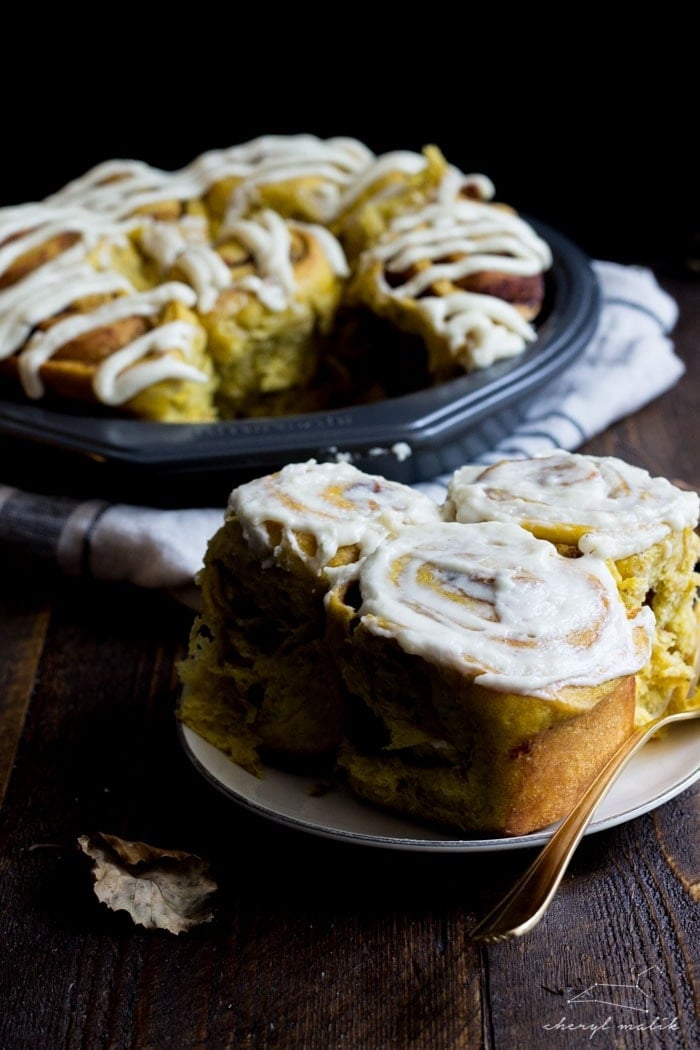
{"x":634,"y":998}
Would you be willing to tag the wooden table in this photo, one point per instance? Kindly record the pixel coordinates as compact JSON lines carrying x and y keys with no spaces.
{"x":314,"y":943}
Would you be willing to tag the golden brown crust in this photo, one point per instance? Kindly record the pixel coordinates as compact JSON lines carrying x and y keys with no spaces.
{"x":492,"y":791}
{"x":506,"y":764}
{"x":553,"y":768}
{"x":97,"y":344}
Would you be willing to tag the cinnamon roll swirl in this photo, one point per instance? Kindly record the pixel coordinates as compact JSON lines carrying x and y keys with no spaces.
{"x":644,"y":526}
{"x":473,"y":674}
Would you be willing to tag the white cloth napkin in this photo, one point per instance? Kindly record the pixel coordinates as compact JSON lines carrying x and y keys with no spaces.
{"x":629,"y":362}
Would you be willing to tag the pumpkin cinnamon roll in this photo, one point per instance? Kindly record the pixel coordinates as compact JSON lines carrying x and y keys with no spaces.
{"x":465,"y":277}
{"x":128,"y":189}
{"x":643,"y":526}
{"x":266,"y":294}
{"x":80,"y":323}
{"x":494,"y":675}
{"x":269,"y":323}
{"x":444,"y":280}
{"x":391,"y":184}
{"x":260,"y":675}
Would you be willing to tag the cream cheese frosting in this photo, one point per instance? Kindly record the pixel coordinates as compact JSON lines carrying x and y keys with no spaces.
{"x":121,"y":187}
{"x":492,"y":601}
{"x":609,"y":507}
{"x":336,"y":503}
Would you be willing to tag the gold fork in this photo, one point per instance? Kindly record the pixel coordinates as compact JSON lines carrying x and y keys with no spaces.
{"x":528,"y":899}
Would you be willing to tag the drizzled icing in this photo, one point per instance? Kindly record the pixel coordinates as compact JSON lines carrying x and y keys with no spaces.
{"x":115,"y":205}
{"x":607,"y":506}
{"x":101,"y":209}
{"x":97,"y":211}
{"x":110,"y":386}
{"x":491,"y":601}
{"x":335,"y":163}
{"x":268,"y":239}
{"x":336,"y":503}
{"x":120,"y":187}
{"x":445,"y":242}
{"x":69,"y":276}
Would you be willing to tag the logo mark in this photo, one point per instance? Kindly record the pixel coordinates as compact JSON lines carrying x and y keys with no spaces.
{"x":625,"y":996}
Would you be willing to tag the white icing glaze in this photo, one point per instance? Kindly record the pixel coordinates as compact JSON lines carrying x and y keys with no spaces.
{"x":120,"y":187}
{"x":479,"y":329}
{"x":198,"y":264}
{"x":27,"y":227}
{"x":265,"y":235}
{"x":481,"y":236}
{"x":335,"y":502}
{"x":268,"y":240}
{"x":620,"y":509}
{"x":335,"y":163}
{"x":450,"y":239}
{"x":134,"y":368}
{"x":491,"y":601}
{"x":55,"y":284}
{"x":375,"y":181}
{"x":46,"y":292}
{"x":473,"y":185}
{"x":331,"y":246}
{"x":110,"y":388}
{"x":405,"y":162}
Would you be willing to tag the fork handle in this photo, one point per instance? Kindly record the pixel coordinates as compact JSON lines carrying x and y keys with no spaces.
{"x":528,"y":899}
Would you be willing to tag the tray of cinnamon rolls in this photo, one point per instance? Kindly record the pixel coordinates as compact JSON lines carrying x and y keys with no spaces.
{"x":284,"y":298}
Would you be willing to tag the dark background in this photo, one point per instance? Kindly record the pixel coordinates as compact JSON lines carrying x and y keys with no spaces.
{"x":591,"y":130}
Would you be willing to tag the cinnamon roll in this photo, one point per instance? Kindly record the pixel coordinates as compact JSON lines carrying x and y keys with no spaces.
{"x":298,"y":176}
{"x":260,"y":674}
{"x":643,"y":526}
{"x":499,"y":675}
{"x":465,"y":276}
{"x":80,"y":322}
{"x":267,"y":292}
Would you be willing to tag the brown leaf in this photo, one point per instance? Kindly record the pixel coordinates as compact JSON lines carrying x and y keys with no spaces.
{"x":160,"y":889}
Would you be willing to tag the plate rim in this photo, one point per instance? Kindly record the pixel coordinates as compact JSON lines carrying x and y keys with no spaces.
{"x":195,"y":746}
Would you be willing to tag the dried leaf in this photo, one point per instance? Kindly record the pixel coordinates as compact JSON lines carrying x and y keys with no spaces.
{"x":160,"y":889}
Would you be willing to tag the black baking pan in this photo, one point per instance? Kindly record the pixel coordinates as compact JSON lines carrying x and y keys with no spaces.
{"x":412,"y":437}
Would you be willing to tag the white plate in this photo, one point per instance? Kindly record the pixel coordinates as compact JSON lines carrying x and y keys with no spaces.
{"x":659,"y":771}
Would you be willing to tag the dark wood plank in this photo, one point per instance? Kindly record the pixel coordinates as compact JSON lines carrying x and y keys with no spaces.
{"x":23,"y":622}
